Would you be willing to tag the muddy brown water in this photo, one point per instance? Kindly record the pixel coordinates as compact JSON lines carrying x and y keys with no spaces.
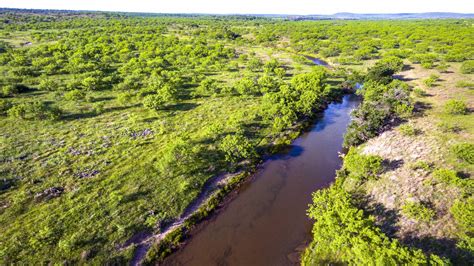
{"x":266,"y":224}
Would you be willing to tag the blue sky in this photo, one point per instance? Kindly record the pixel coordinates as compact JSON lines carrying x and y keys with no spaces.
{"x":251,"y":6}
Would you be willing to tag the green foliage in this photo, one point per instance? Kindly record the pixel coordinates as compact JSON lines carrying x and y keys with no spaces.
{"x":75,"y":95}
{"x":419,"y":92}
{"x":360,"y":166}
{"x":153,"y":102}
{"x":467,"y":67}
{"x":48,"y":85}
{"x":463,"y":211}
{"x":125,"y":98}
{"x":247,"y":86}
{"x":34,"y":111}
{"x":464,"y":152}
{"x":208,"y":87}
{"x":237,"y":147}
{"x":4,"y":106}
{"x":455,"y":107}
{"x":421,"y":165}
{"x":418,"y":211}
{"x":9,"y":90}
{"x":344,"y":234}
{"x":431,"y":81}
{"x":408,"y":130}
{"x":384,"y":69}
{"x":465,"y":84}
{"x":382,"y":104}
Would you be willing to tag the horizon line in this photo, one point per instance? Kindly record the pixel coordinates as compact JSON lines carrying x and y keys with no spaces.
{"x":233,"y":14}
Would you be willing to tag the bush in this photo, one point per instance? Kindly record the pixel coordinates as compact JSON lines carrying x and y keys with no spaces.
{"x":34,"y":111}
{"x":48,"y":85}
{"x":455,"y":107}
{"x":447,"y":127}
{"x":207,"y":87}
{"x":446,"y":175}
{"x":125,"y":98}
{"x":237,"y":147}
{"x":75,"y":95}
{"x":465,"y":84}
{"x":464,"y":152}
{"x":8,"y":90}
{"x":431,"y":81}
{"x":463,"y":211}
{"x":362,"y":167}
{"x":418,"y":211}
{"x":408,"y":130}
{"x":384,"y":69}
{"x":467,"y":67}
{"x":4,"y":106}
{"x":421,"y":165}
{"x":419,"y":92}
{"x":153,"y":102}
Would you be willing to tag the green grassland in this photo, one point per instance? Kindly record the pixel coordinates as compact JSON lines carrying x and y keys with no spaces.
{"x":112,"y":125}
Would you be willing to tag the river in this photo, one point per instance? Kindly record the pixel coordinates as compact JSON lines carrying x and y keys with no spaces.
{"x":266,"y":224}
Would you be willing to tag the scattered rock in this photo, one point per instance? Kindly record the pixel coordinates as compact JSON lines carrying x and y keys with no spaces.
{"x":49,"y":193}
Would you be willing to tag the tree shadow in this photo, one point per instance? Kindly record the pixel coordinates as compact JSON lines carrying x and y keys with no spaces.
{"x":407,"y":67}
{"x":90,"y":114}
{"x":420,"y":108}
{"x":181,"y":107}
{"x":391,"y":165}
{"x":403,"y":78}
{"x":102,"y":99}
{"x":443,"y":247}
{"x":387,"y":219}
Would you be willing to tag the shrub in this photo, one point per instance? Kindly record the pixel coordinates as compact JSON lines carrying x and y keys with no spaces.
{"x":446,"y":127}
{"x":431,"y":81}
{"x":446,"y":175}
{"x":465,"y":84}
{"x":48,"y":85}
{"x":4,"y":106}
{"x":408,"y":130}
{"x":418,"y":211}
{"x":75,"y":95}
{"x":362,"y":167}
{"x":125,"y":98}
{"x":237,"y":147}
{"x":383,"y":70}
{"x":34,"y":111}
{"x":464,"y":152}
{"x":419,"y":92}
{"x":207,"y":87}
{"x":421,"y":165}
{"x":153,"y":102}
{"x":455,"y":107}
{"x":467,"y":67}
{"x":8,"y":90}
{"x":463,"y":211}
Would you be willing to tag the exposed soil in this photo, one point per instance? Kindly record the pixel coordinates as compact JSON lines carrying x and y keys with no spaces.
{"x":401,"y":183}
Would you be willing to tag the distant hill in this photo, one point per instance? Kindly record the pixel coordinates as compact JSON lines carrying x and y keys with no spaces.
{"x":342,"y":15}
{"x":429,"y":15}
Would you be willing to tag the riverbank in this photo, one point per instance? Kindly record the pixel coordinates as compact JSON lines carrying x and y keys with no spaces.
{"x":420,"y":197}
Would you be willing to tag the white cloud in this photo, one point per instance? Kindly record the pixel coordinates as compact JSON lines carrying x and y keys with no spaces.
{"x":250,"y":6}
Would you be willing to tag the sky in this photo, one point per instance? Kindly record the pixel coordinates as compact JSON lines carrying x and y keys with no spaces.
{"x":300,"y":7}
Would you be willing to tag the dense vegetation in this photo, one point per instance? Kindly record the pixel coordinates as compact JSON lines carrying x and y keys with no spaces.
{"x":111,"y":124}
